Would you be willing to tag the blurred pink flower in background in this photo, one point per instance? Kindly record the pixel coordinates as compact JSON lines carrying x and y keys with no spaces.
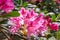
{"x":57,"y":1}
{"x":6,"y":5}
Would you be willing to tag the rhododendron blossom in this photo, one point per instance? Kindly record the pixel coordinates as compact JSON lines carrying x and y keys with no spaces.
{"x":34,"y":23}
{"x":16,"y":25}
{"x":54,"y":26}
{"x":6,"y":5}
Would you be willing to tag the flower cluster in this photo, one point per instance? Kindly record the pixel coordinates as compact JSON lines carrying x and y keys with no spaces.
{"x":33,"y":22}
{"x":6,"y":5}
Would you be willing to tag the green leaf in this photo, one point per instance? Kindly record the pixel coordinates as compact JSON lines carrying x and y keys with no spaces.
{"x":25,"y":4}
{"x":58,"y":17}
{"x":11,"y":14}
{"x":19,"y":1}
{"x":53,"y":16}
{"x":58,"y":35}
{"x":45,"y":11}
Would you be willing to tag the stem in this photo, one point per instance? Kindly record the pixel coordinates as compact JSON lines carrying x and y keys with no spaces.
{"x":23,"y":37}
{"x":21,"y":3}
{"x":7,"y":36}
{"x":1,"y":25}
{"x":57,"y":35}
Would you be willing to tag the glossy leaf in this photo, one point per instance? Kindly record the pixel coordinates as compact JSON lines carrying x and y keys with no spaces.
{"x":11,"y":14}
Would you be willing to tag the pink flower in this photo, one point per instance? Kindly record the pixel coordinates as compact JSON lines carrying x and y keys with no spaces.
{"x":54,"y":26}
{"x":57,"y":1}
{"x":6,"y":5}
{"x":42,"y":30}
{"x":16,"y":25}
{"x":38,"y":24}
{"x":35,"y":23}
{"x":48,"y":19}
